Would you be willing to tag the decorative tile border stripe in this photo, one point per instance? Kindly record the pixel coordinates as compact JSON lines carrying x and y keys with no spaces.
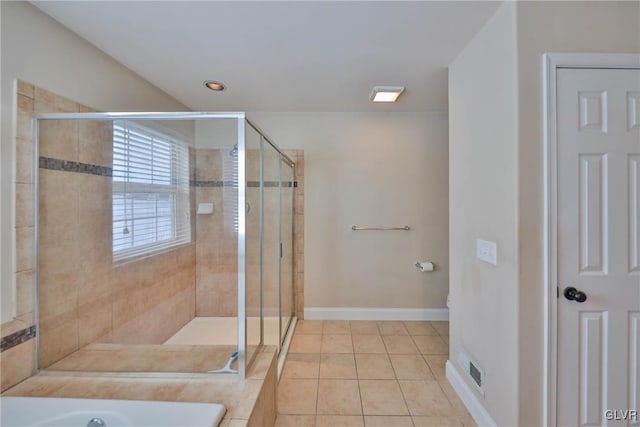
{"x":267,"y":184}
{"x":250,"y":184}
{"x":70,"y":166}
{"x":272,"y":184}
{"x":213,"y":183}
{"x":17,"y":338}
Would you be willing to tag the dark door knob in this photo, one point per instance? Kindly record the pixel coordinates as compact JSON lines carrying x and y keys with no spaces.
{"x":572,"y":294}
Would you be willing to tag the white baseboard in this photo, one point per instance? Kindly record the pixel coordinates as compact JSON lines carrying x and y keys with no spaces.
{"x":356,"y":313}
{"x":468,"y":397}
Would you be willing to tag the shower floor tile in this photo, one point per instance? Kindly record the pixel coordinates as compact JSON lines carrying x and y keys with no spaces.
{"x":224,"y":331}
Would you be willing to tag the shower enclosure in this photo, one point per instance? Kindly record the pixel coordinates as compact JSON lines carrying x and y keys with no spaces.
{"x":164,"y":242}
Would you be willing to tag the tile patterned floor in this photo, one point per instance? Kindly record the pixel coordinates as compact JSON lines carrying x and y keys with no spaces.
{"x":365,"y":373}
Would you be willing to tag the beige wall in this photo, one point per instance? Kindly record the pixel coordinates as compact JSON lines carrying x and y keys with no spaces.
{"x":546,"y":27}
{"x":482,"y":77}
{"x":370,"y":169}
{"x":37,"y":49}
{"x":483,"y":204}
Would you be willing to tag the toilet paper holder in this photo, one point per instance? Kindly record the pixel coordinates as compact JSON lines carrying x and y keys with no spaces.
{"x":425,"y":266}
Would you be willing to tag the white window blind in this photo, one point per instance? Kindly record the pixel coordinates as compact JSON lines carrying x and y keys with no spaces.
{"x":151,"y":210}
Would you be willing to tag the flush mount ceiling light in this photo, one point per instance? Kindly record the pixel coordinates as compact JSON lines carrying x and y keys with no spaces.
{"x":386,"y":93}
{"x":213,"y":85}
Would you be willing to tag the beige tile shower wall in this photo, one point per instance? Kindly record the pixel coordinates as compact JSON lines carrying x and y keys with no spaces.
{"x":84,"y":297}
{"x":298,"y":232}
{"x":155,"y":297}
{"x":216,"y":246}
{"x":18,"y":363}
{"x":217,"y":243}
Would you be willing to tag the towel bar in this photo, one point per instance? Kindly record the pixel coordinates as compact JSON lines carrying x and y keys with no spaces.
{"x":359,"y":228}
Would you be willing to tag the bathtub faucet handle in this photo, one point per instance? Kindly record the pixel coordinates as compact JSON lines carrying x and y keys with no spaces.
{"x":96,"y":422}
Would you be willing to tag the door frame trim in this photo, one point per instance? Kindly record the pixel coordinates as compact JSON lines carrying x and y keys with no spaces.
{"x":551,"y":63}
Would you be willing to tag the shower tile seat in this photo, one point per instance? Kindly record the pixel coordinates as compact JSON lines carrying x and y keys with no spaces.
{"x":146,"y":358}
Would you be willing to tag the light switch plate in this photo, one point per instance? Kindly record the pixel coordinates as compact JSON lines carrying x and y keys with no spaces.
{"x":487,"y":251}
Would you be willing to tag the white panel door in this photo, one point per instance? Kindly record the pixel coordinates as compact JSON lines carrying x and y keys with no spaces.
{"x":598,"y":247}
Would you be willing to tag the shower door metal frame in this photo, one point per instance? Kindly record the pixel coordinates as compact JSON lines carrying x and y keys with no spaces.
{"x":243,"y":361}
{"x":287,"y":159}
{"x":291,"y":164}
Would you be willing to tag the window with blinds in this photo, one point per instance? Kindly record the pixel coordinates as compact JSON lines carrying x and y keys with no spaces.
{"x":150,"y":191}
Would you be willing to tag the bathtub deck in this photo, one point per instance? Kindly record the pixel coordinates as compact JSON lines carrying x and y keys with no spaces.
{"x":249,"y":402}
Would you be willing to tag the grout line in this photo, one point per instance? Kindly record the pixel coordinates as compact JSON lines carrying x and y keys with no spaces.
{"x":416,"y":344}
{"x":379,"y":329}
{"x":359,"y":389}
{"x":317,"y":398}
{"x":385,"y":344}
{"x":447,"y":396}
{"x":404,"y":399}
{"x":433,"y":374}
{"x":395,"y":374}
{"x":318,"y":382}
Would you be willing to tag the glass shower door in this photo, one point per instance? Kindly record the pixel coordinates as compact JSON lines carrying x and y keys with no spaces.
{"x":287,"y":304}
{"x":270,"y":185}
{"x":253,"y":295}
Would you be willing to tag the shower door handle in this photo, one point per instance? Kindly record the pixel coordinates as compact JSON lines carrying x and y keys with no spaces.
{"x":280,"y":249}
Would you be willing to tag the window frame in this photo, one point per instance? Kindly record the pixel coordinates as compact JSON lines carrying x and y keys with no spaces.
{"x":176,"y":184}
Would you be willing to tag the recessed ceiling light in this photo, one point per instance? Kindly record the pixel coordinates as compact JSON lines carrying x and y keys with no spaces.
{"x":217,"y":86}
{"x":386,"y":93}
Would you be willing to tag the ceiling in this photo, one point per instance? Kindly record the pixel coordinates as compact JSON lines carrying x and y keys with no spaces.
{"x":283,"y":56}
